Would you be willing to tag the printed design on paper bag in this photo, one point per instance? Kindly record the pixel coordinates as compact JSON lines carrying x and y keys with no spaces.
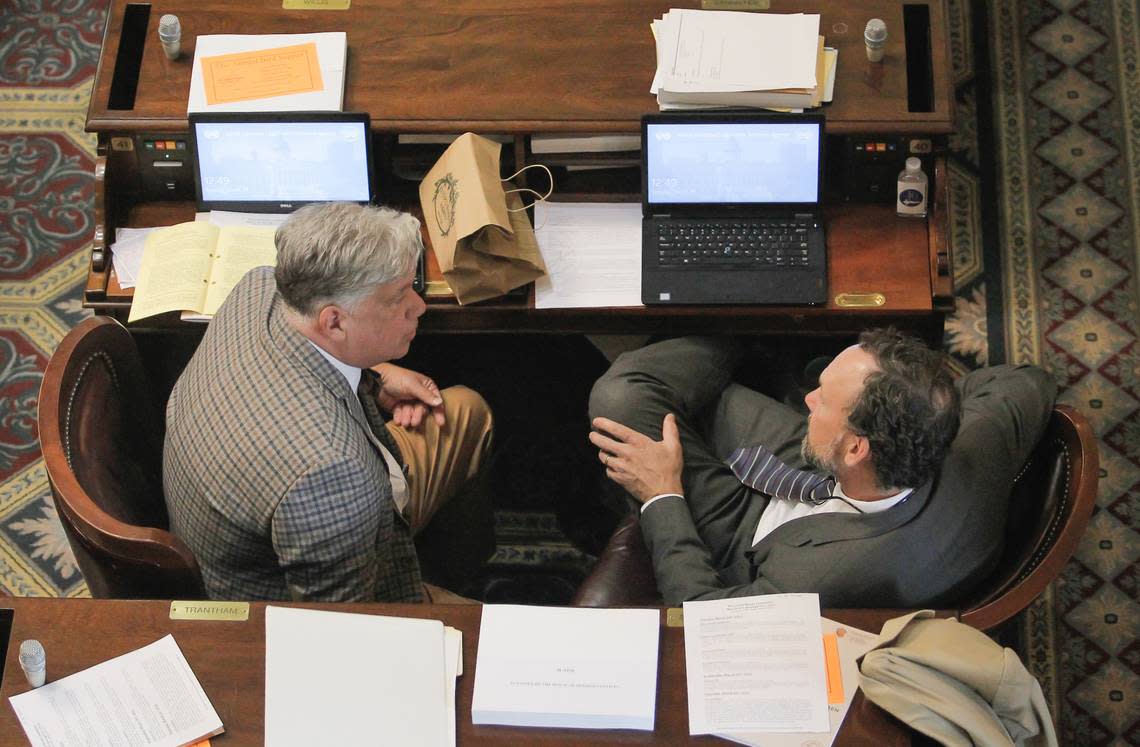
{"x":444,"y":199}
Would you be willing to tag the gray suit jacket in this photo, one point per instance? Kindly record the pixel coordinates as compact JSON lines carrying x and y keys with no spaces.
{"x":929,"y":550}
{"x":271,"y":472}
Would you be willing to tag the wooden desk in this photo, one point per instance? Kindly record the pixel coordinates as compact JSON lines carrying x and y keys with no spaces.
{"x":511,"y":67}
{"x":573,"y":66}
{"x":229,"y":660}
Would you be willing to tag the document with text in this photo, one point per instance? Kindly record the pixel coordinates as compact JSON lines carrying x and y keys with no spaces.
{"x":592,"y":253}
{"x":842,"y":646}
{"x":268,"y":72}
{"x":756,"y":664}
{"x":566,"y":667}
{"x":734,"y":51}
{"x":148,"y":697}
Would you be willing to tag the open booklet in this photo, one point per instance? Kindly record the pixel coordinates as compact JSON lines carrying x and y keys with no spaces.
{"x":194,"y":266}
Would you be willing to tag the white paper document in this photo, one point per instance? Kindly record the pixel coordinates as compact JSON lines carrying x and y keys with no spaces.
{"x":226,"y":218}
{"x":331,"y":47}
{"x":351,"y":679}
{"x":453,"y":661}
{"x":592,"y":252}
{"x":127,"y":253}
{"x":147,"y":698}
{"x":566,"y":667}
{"x":755,"y":664}
{"x":705,"y":51}
{"x":851,"y":644}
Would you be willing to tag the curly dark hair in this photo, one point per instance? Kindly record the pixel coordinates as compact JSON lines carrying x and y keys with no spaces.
{"x":908,"y":410}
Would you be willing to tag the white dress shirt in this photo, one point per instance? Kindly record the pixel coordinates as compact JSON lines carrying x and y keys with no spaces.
{"x":782,"y":510}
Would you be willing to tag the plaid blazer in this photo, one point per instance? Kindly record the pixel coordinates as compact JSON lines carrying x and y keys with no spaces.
{"x":272,"y":474}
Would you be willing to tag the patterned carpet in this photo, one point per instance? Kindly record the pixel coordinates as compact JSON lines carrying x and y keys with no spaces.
{"x":1046,"y":233}
{"x":1067,"y":113}
{"x":48,"y":52}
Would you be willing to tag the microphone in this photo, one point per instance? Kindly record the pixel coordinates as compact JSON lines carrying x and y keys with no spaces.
{"x":33,"y":661}
{"x":170,"y":34}
{"x":875,"y":39}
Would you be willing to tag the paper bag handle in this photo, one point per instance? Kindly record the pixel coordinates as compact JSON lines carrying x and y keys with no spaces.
{"x":540,"y":197}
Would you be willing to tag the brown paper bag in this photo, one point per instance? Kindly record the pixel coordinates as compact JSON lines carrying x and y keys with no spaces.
{"x":483,"y":250}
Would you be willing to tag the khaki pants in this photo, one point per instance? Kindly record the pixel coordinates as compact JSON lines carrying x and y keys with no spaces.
{"x":441,"y":459}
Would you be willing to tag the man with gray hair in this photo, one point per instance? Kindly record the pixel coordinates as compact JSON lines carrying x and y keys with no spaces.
{"x":279,"y":469}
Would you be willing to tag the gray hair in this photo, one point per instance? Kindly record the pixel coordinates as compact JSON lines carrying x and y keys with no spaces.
{"x":338,"y":252}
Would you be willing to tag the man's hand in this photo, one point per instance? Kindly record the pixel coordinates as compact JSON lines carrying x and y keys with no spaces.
{"x":408,"y":395}
{"x":639,"y":464}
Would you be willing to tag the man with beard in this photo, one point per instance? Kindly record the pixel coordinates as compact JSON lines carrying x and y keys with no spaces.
{"x":906,"y":501}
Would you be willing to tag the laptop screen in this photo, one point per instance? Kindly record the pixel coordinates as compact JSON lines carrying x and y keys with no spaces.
{"x":277,"y":162}
{"x":732,"y":162}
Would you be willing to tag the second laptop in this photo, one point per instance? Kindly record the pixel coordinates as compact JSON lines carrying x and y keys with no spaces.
{"x":731,"y":209}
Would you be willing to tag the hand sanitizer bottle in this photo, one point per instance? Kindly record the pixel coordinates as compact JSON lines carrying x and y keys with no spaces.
{"x":912,"y":190}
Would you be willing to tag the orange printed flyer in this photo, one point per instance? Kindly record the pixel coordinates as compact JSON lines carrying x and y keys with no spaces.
{"x":261,"y":74}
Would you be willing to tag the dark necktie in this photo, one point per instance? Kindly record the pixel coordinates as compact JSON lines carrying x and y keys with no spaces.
{"x":757,"y":467}
{"x":367,"y":391}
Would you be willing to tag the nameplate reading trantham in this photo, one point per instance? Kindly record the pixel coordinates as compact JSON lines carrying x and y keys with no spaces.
{"x":235,"y":611}
{"x":735,"y":4}
{"x":315,"y":4}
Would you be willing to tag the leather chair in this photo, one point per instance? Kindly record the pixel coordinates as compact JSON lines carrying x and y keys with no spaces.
{"x":1057,"y":486}
{"x":101,"y":436}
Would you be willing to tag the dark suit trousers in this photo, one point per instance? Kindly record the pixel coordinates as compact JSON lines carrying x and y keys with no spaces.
{"x":692,"y":378}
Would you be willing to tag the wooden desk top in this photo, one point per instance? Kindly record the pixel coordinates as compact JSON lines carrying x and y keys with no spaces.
{"x":862,"y":241}
{"x":229,"y":660}
{"x":514,"y":67}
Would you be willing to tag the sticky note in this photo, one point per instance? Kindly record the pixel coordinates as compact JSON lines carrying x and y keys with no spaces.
{"x":261,"y":74}
{"x":831,"y":665}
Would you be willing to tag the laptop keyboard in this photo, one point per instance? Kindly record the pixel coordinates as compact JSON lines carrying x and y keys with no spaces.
{"x":750,"y":243}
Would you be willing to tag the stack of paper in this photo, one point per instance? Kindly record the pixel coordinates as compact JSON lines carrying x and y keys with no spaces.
{"x":566,"y":667}
{"x":756,"y":664}
{"x":708,"y":59}
{"x":149,"y":696}
{"x":349,"y":679}
{"x":268,"y":72}
{"x":842,"y":647}
{"x":592,"y":252}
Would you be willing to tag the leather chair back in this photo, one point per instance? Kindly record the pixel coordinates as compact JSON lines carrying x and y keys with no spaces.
{"x":1049,"y":509}
{"x":101,"y":436}
{"x":1050,"y":504}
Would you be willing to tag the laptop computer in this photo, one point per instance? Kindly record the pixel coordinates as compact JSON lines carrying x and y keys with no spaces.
{"x":731,"y":209}
{"x":275,"y":162}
